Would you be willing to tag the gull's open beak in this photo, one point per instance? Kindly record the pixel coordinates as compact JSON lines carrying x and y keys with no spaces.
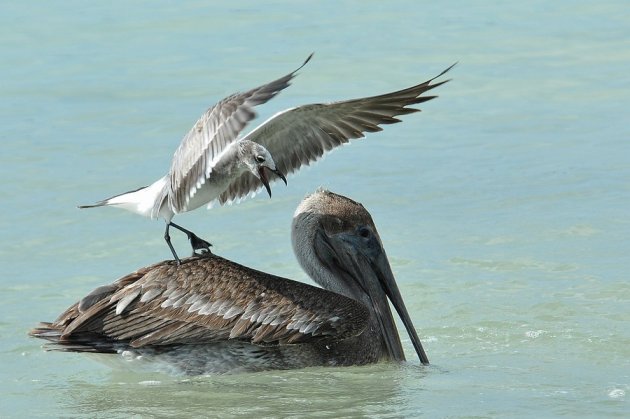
{"x":265,"y":179}
{"x":280,"y":175}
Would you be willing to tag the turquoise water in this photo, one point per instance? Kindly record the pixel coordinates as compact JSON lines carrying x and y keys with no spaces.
{"x":504,"y":206}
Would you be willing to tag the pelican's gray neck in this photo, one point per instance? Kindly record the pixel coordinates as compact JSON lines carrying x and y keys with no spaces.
{"x":303,"y":236}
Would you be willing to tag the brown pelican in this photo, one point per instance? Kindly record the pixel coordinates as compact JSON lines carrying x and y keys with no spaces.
{"x":212,"y":165}
{"x":211,"y":315}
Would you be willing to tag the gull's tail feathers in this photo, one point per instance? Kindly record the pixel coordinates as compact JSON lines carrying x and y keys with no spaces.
{"x":140,"y":201}
{"x":114,"y":200}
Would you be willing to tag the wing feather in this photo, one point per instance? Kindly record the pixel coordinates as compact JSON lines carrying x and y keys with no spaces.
{"x":245,"y":304}
{"x":299,"y":136}
{"x":218,"y":127}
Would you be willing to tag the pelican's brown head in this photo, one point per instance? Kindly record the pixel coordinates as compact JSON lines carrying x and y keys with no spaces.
{"x":336,"y":242}
{"x":335,"y":212}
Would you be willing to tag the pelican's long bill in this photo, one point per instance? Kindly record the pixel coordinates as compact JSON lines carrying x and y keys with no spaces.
{"x":388,"y":283}
{"x":361,"y":259}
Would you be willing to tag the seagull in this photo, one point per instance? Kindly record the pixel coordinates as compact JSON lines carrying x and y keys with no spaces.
{"x":213,"y":165}
{"x":211,"y":315}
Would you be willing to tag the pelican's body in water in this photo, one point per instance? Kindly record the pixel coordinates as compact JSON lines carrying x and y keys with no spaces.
{"x":212,"y":165}
{"x":211,"y":315}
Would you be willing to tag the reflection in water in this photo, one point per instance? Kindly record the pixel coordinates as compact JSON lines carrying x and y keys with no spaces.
{"x":328,"y":392}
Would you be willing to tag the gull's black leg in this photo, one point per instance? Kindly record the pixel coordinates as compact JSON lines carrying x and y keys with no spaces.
{"x":196,"y":242}
{"x":167,"y":237}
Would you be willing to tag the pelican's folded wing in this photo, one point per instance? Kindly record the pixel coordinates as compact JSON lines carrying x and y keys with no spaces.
{"x":206,"y":299}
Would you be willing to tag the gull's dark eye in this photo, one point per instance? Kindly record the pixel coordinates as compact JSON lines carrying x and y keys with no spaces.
{"x":260,"y":159}
{"x":364,"y":232}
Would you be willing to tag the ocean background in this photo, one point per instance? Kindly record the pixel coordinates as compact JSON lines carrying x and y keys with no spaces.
{"x":504,"y":206}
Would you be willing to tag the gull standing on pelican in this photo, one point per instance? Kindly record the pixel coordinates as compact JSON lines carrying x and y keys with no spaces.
{"x":210,"y":315}
{"x":212,"y":165}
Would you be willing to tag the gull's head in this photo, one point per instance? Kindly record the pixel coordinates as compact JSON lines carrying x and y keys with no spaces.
{"x":259,"y":162}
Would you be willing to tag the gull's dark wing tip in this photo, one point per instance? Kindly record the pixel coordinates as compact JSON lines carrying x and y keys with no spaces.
{"x":430,"y":86}
{"x":443,"y":73}
{"x":448,"y":69}
{"x":307,"y":59}
{"x":303,"y":64}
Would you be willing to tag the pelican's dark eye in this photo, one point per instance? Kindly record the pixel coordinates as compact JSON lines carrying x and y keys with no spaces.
{"x":260,"y":159}
{"x":364,"y":232}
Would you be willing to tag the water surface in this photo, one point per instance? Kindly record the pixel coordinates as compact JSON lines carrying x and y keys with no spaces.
{"x":504,"y":205}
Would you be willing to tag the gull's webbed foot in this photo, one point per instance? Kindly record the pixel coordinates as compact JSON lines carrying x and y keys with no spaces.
{"x":199,"y":244}
{"x":196,"y":242}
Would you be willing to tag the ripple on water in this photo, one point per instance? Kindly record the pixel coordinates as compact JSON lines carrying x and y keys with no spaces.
{"x":617,"y":393}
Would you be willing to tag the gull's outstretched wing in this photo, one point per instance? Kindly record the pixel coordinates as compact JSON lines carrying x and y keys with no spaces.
{"x":213,"y":132}
{"x":301,"y":135}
